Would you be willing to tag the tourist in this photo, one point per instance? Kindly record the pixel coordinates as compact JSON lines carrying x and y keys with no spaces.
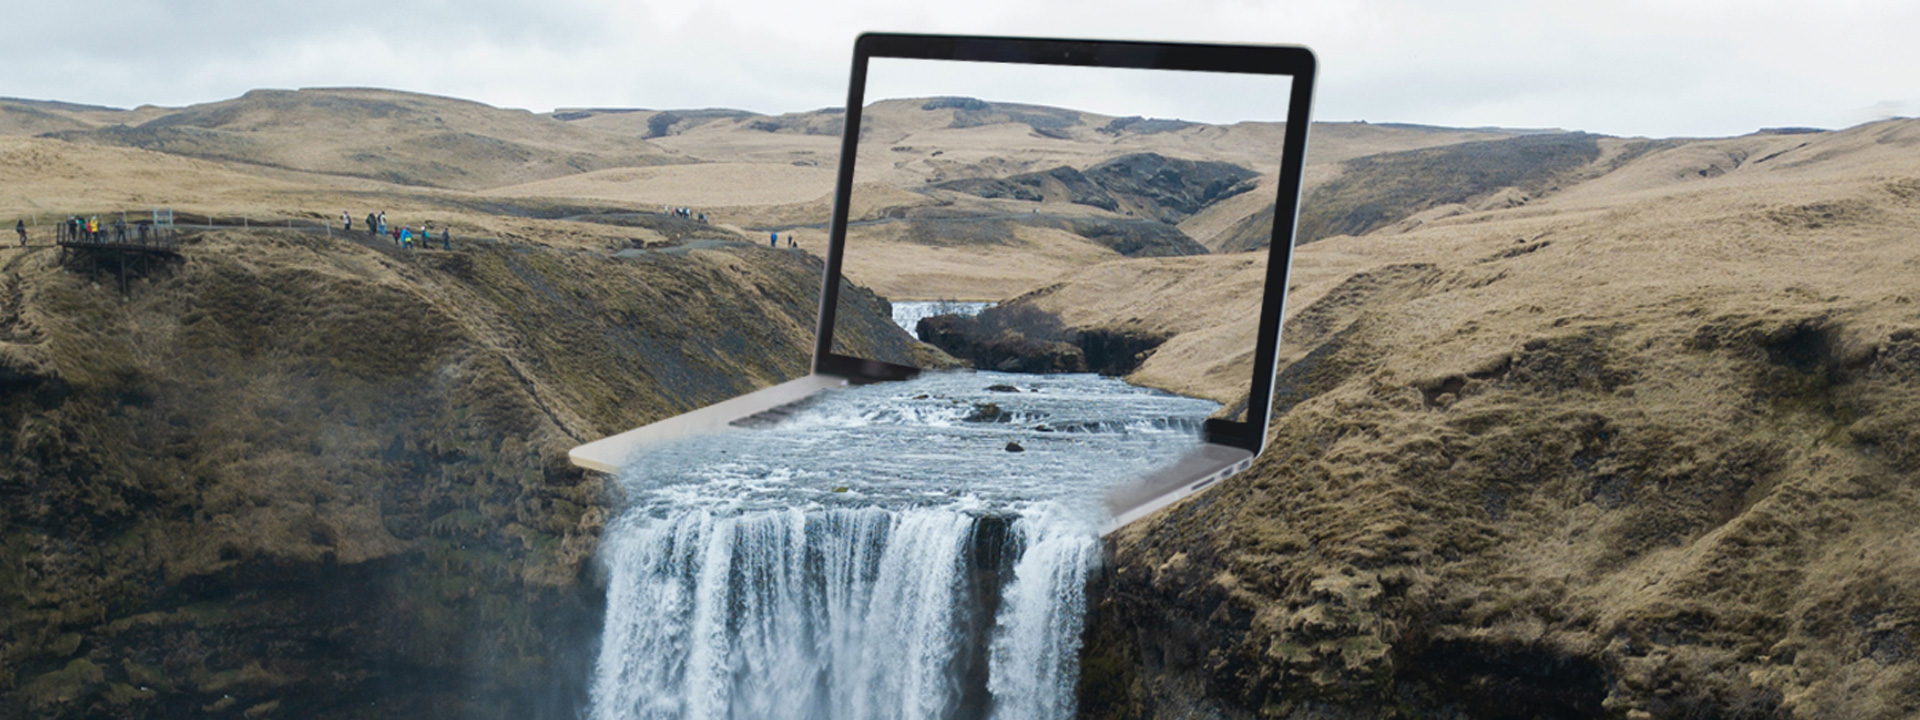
{"x":406,"y":236}
{"x":120,"y":230}
{"x":426,"y":235}
{"x":395,"y":232}
{"x":20,"y":226}
{"x":372,"y":229}
{"x":773,"y":240}
{"x":446,"y":238}
{"x":346,"y":222}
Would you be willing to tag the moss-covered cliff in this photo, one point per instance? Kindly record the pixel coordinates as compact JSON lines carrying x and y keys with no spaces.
{"x":1551,"y":537}
{"x":294,"y":476}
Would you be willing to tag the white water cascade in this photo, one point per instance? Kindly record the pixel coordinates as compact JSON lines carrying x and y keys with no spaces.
{"x":908,"y":313}
{"x":880,"y":555}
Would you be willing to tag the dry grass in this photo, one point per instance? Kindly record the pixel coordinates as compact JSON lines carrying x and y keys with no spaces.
{"x":1624,"y":453}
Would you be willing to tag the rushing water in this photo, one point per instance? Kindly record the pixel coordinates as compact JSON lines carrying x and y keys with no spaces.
{"x":880,"y":555}
{"x":908,"y":313}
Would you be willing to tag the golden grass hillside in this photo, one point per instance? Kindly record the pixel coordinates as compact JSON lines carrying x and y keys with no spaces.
{"x":1643,"y":449}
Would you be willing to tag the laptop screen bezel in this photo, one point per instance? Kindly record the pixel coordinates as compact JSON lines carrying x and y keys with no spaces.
{"x":1296,"y":62}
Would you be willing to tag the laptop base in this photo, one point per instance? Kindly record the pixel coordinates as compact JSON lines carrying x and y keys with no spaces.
{"x":609,"y":455}
{"x":1192,"y":473}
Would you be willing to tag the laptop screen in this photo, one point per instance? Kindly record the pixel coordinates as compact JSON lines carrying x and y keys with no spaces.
{"x":1049,"y":219}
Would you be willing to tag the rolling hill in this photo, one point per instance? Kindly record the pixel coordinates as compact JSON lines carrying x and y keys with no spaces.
{"x":401,"y":138}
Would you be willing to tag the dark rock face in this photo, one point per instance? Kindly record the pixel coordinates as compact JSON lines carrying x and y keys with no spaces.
{"x":1044,"y":121}
{"x":1135,"y":238}
{"x":1128,"y":236}
{"x":1081,"y":190}
{"x":956,"y":103}
{"x":1168,"y":189}
{"x":988,"y":413}
{"x":1144,"y":126}
{"x":993,"y":188}
{"x":1022,"y":338}
{"x":1147,"y":185}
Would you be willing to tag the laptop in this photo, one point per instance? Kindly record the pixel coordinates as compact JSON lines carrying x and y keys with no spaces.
{"x":1141,"y":195}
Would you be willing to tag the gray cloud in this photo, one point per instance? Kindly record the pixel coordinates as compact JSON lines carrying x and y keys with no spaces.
{"x":1634,"y":67}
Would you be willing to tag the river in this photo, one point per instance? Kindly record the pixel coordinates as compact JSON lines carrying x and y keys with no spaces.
{"x":882,"y":554}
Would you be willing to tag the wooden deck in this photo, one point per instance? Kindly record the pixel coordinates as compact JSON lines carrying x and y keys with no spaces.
{"x":121,"y":257}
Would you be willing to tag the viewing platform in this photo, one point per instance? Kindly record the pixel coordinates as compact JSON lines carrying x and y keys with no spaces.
{"x":121,"y":247}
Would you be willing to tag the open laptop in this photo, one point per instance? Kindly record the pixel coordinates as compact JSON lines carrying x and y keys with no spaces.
{"x":1145,"y":190}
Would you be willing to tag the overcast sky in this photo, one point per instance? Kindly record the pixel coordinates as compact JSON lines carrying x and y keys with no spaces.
{"x":1623,"y":67}
{"x":1210,"y":97}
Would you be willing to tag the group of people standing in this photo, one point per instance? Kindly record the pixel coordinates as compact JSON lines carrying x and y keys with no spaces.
{"x":684,"y":213}
{"x":77,"y":229}
{"x":402,"y":235}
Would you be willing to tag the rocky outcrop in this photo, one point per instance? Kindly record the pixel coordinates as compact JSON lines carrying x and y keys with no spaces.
{"x":1023,"y":338}
{"x":1147,"y":185}
{"x":1169,"y":189}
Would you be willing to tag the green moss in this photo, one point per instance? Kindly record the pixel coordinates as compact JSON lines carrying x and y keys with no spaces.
{"x":79,"y":679}
{"x":66,"y":644}
{"x":122,"y":694}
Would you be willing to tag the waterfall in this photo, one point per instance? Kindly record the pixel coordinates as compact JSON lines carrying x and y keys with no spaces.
{"x":852,"y":614}
{"x":790,"y":576}
{"x":1036,"y":643}
{"x":908,"y":313}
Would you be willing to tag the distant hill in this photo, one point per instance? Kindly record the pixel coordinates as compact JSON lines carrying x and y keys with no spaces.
{"x":30,"y":117}
{"x":1374,"y":191}
{"x":404,"y":138}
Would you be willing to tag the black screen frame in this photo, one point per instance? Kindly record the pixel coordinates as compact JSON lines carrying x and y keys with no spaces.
{"x":1296,"y":62}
